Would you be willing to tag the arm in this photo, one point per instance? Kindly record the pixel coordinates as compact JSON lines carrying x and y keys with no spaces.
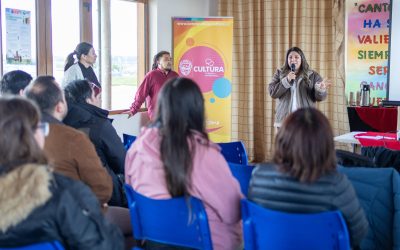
{"x":141,"y":94}
{"x":347,"y":202}
{"x":113,"y":148}
{"x":218,"y":188}
{"x":90,"y":168}
{"x":320,"y":93}
{"x":81,"y":223}
{"x":72,"y":74}
{"x":278,"y":86}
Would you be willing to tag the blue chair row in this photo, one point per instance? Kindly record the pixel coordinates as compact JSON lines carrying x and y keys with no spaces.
{"x":234,"y":152}
{"x":243,"y":174}
{"x":268,"y":229}
{"x":169,"y":221}
{"x":128,"y":140}
{"x":54,"y":245}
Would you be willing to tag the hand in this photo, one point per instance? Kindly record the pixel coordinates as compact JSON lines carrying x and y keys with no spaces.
{"x":130,"y":114}
{"x":291,"y":76}
{"x":324,"y":85}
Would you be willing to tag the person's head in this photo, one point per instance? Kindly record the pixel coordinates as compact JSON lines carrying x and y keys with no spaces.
{"x":14,"y":82}
{"x":180,"y":114}
{"x":295,"y":56}
{"x":47,"y":94}
{"x":84,"y":53}
{"x":304,"y":145}
{"x":21,"y":133}
{"x":83,"y":91}
{"x":162,"y":60}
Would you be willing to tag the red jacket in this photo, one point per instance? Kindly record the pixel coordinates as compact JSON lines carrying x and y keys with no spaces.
{"x":149,"y":88}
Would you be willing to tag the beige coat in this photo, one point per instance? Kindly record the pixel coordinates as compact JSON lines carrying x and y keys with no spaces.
{"x":307,"y":94}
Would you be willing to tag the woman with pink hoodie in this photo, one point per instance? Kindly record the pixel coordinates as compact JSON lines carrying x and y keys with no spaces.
{"x":174,"y":157}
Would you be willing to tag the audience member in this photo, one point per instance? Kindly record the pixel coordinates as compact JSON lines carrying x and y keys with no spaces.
{"x":36,"y":204}
{"x":70,"y":151}
{"x":84,"y":113}
{"x":303,"y":177}
{"x":14,"y":82}
{"x":174,"y":157}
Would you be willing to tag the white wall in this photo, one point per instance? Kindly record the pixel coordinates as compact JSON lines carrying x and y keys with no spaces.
{"x":161,"y":12}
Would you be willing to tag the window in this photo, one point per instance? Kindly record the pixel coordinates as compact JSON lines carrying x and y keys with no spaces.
{"x":65,"y":33}
{"x":123,"y":50}
{"x":18,"y":36}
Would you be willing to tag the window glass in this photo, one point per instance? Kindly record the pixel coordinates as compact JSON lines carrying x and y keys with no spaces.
{"x":65,"y":33}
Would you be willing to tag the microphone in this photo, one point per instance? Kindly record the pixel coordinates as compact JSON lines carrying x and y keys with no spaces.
{"x":293,"y":67}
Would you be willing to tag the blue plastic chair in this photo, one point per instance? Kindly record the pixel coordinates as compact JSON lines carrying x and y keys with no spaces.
{"x":268,"y":229}
{"x":54,"y":245}
{"x":234,"y":152}
{"x":169,"y":221}
{"x":128,"y":140}
{"x":243,"y":174}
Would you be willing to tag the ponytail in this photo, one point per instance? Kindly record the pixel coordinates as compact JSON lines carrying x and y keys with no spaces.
{"x":82,"y":48}
{"x":69,"y":61}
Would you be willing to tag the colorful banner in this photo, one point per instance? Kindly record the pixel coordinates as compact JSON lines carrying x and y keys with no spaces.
{"x":202,"y":51}
{"x":18,"y":36}
{"x":367,"y":49}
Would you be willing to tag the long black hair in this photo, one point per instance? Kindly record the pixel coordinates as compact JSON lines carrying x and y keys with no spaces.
{"x":82,"y":48}
{"x":304,"y":67}
{"x":157,"y":57}
{"x":180,"y":114}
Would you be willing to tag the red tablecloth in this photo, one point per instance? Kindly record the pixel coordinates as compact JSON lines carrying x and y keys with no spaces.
{"x":379,"y":118}
{"x":387,"y":140}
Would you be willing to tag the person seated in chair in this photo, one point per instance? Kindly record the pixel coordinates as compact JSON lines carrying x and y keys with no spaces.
{"x":174,"y":157}
{"x":303,"y":177}
{"x":85,"y":114}
{"x":36,"y":204}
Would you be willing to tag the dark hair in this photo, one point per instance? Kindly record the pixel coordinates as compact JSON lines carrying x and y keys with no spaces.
{"x":14,"y":81}
{"x":19,"y":120}
{"x":78,"y":91}
{"x":157,"y":57}
{"x":45,"y":92}
{"x":304,"y":145}
{"x":180,"y":114}
{"x":304,"y":67}
{"x":82,"y":48}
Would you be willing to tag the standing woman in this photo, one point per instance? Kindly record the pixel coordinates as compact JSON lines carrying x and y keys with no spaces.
{"x":296,"y":85}
{"x":174,"y":157}
{"x":79,"y":65}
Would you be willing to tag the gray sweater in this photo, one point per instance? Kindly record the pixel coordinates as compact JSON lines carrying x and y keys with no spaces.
{"x":278,"y":191}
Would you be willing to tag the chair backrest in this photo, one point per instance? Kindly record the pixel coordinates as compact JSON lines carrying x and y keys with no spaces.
{"x":53,"y":245}
{"x":128,"y":140}
{"x":234,"y":152}
{"x":268,"y":229}
{"x":169,"y":221}
{"x":243,"y":174}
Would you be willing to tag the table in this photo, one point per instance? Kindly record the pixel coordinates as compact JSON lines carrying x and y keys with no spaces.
{"x":372,"y":119}
{"x":370,"y":139}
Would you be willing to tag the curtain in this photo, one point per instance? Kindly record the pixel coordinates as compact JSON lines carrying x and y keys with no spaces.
{"x":263,"y":31}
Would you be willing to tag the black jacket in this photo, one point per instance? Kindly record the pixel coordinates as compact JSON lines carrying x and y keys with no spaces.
{"x":94,"y":122}
{"x":278,"y":191}
{"x":37,"y":205}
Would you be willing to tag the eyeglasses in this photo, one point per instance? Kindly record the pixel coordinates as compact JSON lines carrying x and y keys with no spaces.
{"x":44,"y":127}
{"x":95,"y":88}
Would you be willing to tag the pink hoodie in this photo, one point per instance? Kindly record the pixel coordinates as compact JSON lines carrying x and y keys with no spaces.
{"x":212,"y":182}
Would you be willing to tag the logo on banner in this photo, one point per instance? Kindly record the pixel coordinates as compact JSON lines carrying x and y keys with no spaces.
{"x":185,"y":67}
{"x":204,"y":65}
